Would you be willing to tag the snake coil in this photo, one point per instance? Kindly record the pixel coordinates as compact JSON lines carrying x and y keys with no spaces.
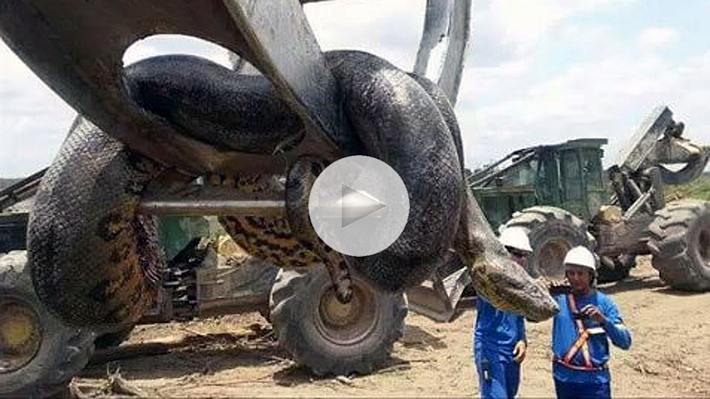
{"x":95,"y":259}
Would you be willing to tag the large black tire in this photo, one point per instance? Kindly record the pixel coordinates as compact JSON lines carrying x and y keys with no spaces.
{"x":680,"y":244}
{"x":49,"y":355}
{"x":552,"y":232}
{"x":304,"y":313}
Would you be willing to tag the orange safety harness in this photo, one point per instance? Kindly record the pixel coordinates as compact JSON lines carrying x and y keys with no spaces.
{"x":580,"y":343}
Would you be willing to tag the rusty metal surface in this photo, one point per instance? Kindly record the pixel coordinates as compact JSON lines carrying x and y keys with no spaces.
{"x":76,"y":47}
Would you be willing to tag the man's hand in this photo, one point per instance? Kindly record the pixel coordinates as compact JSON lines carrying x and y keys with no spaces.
{"x":593,"y":313}
{"x":519,"y":351}
{"x":554,"y":286}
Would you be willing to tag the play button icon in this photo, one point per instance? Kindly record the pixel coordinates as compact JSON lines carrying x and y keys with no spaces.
{"x":355,"y":205}
{"x":358,"y":206}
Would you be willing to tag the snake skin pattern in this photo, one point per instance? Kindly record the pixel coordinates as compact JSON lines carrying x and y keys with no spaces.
{"x":93,"y":259}
{"x":88,"y":200}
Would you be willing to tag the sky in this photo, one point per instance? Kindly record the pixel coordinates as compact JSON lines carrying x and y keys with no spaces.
{"x":536,"y":72}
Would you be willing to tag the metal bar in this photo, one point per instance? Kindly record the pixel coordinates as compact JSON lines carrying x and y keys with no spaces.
{"x":200,"y":199}
{"x":489,"y":168}
{"x":215,"y":208}
{"x":446,"y":27}
{"x":459,"y":33}
{"x":642,"y":201}
{"x":487,"y":179}
{"x":436,"y":27}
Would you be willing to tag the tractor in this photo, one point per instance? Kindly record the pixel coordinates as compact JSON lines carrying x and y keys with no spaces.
{"x":563,"y":197}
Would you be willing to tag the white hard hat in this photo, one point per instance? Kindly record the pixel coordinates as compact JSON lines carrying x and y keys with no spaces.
{"x":581,"y":256}
{"x":515,"y":237}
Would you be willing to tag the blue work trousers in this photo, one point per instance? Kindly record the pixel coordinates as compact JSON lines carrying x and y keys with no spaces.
{"x":590,"y":390}
{"x":498,"y":379}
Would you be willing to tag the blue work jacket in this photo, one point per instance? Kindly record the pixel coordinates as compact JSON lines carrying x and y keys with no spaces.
{"x":496,"y":332}
{"x":564,"y":334}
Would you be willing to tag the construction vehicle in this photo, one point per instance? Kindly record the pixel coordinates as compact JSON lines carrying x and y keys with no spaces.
{"x":563,"y":197}
{"x":39,"y":354}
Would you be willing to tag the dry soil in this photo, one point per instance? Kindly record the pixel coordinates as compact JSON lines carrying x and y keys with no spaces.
{"x":236,"y":356}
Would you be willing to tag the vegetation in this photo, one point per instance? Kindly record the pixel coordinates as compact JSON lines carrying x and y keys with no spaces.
{"x":699,"y":189}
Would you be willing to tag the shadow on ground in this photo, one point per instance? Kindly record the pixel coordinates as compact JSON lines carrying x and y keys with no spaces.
{"x":647,"y":281}
{"x":203,"y":353}
{"x":417,"y":338}
{"x":633,"y":283}
{"x":295,"y":375}
{"x":207,"y":354}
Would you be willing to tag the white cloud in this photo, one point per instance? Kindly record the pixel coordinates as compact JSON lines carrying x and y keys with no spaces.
{"x":175,"y":44}
{"x":656,"y":38}
{"x":599,"y":98}
{"x":523,"y":98}
{"x":33,"y":120}
{"x":392,"y":29}
{"x":522,"y":24}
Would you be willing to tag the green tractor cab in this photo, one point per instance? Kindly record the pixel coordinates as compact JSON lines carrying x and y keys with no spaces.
{"x":568,"y":176}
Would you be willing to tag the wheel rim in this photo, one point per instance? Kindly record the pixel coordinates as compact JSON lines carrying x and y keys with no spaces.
{"x":20,"y":334}
{"x":347,"y":324}
{"x":551,"y":256}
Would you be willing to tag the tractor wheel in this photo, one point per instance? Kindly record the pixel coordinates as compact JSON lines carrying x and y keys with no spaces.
{"x":552,"y":232}
{"x":327,"y":336}
{"x":680,"y":244}
{"x":38,"y":354}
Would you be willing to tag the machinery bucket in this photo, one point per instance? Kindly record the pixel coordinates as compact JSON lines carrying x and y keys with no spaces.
{"x":440,"y":299}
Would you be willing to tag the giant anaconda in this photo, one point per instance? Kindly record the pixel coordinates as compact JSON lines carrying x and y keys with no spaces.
{"x":93,"y":257}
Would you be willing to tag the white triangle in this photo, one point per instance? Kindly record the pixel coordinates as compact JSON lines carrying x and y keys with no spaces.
{"x":355,"y":205}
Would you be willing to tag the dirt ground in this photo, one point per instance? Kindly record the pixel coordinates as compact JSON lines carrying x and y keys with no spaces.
{"x":236,"y":356}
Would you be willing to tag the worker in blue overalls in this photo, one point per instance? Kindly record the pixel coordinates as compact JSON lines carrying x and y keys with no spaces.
{"x":499,"y":336}
{"x":581,"y":332}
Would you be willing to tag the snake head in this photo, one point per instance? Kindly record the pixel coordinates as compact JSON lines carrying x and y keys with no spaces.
{"x":496,"y":277}
{"x":508,"y":287}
